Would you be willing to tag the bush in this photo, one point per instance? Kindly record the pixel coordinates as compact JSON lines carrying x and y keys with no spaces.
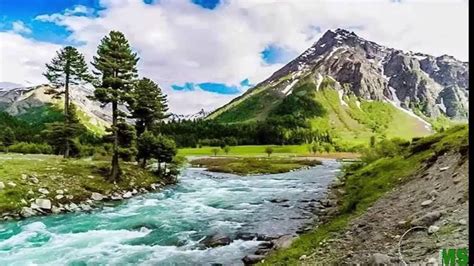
{"x":31,"y":148}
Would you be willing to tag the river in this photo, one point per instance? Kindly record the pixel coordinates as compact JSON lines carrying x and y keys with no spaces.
{"x":165,"y":228}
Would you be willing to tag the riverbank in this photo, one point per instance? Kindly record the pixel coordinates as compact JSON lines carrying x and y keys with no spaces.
{"x":373,"y":206}
{"x":253,"y":165}
{"x":44,"y":184}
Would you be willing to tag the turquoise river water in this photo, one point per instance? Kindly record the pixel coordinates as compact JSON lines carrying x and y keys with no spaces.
{"x":167,"y":227}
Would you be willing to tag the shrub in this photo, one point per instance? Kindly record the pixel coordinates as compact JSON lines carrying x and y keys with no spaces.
{"x":269,"y":151}
{"x":31,"y":148}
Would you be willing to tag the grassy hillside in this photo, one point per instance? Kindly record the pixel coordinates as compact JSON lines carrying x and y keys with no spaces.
{"x":366,"y":183}
{"x":346,"y":118}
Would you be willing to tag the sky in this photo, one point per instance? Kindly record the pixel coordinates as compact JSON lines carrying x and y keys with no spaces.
{"x":203,"y":53}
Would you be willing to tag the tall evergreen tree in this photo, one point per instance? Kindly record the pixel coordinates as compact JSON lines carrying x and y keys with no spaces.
{"x":68,"y":67}
{"x":116,"y":66}
{"x":148,"y":106}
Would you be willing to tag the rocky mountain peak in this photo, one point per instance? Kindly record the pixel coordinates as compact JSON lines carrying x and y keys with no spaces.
{"x":411,"y":80}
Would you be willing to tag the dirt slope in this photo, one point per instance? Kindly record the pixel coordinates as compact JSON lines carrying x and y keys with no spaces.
{"x":436,"y":198}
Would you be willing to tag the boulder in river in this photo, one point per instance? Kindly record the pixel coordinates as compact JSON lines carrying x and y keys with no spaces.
{"x":216,"y":240}
{"x":278,"y":200}
{"x":127,"y":195}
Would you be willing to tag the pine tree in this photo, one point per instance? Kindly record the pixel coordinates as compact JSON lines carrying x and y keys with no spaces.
{"x":68,"y":67}
{"x":116,"y":66}
{"x":60,"y":135}
{"x":148,"y":106}
{"x":7,"y":137}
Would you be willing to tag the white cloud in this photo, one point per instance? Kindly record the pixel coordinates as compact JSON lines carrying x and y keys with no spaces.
{"x":181,"y":42}
{"x":20,"y":27}
{"x":22,"y":60}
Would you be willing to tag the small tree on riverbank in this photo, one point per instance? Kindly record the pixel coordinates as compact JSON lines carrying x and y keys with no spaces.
{"x":269,"y":151}
{"x":215,"y":151}
{"x":226,"y":149}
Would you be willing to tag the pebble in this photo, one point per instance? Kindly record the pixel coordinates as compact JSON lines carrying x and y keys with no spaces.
{"x":43,"y":191}
{"x":433,"y":229}
{"x":441,"y":169}
{"x":426,"y":203}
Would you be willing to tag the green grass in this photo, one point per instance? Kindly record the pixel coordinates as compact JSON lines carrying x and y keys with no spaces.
{"x":366,"y":184}
{"x":247,"y":150}
{"x":252,"y":165}
{"x":55,"y":173}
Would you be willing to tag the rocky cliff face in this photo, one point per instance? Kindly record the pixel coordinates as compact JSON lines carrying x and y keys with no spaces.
{"x":18,"y":101}
{"x":419,"y":82}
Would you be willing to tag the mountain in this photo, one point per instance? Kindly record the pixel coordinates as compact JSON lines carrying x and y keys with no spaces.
{"x":196,"y":116}
{"x":361,"y":85}
{"x":25,"y":101}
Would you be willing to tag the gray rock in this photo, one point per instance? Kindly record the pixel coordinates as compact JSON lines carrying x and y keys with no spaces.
{"x":116,"y":197}
{"x":56,"y":209}
{"x":97,"y":196}
{"x":43,"y":191}
{"x":11,"y":184}
{"x":462,"y":222}
{"x":71,"y":207}
{"x":34,"y":180}
{"x":43,"y":203}
{"x":216,"y":241}
{"x":252,"y":259}
{"x":427,"y":219}
{"x":127,"y":195}
{"x":2,"y":185}
{"x":27,"y":212}
{"x":441,"y":169}
{"x":85,"y":207}
{"x":58,"y":197}
{"x":283,"y":241}
{"x":433,"y":229}
{"x":426,"y":203}
{"x":379,"y":259}
{"x":59,"y":191}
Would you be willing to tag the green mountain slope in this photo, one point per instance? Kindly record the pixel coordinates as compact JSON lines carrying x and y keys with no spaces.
{"x":347,"y":117}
